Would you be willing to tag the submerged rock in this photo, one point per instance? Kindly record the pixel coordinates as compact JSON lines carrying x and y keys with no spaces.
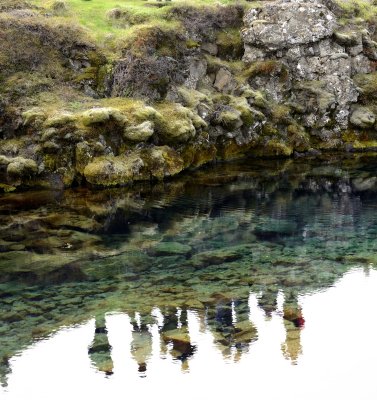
{"x":171,"y":248}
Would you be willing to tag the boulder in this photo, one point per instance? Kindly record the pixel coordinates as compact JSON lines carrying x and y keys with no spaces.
{"x":21,"y":167}
{"x":224,"y":81}
{"x":139,"y":133}
{"x":283,"y":24}
{"x":362,"y":117}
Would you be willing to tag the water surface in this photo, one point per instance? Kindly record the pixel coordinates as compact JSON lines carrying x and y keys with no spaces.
{"x":255,"y":277}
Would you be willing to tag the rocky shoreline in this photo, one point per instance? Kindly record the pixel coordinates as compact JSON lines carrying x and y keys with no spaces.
{"x":279,"y":78}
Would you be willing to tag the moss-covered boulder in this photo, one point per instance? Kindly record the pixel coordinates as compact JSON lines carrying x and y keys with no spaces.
{"x":228,"y":117}
{"x":102,"y":115}
{"x":111,"y":170}
{"x":60,"y":119}
{"x":176,"y":124}
{"x":162,"y":161}
{"x":20,"y":167}
{"x":156,"y":162}
{"x":139,"y":133}
{"x":362,"y":117}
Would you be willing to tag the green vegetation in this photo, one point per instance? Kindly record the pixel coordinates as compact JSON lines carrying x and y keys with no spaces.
{"x":109,"y":22}
{"x":358,"y":10}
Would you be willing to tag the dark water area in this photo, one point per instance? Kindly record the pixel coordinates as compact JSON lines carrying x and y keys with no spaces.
{"x":240,"y":269}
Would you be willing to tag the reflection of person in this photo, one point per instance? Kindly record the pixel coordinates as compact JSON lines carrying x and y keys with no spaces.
{"x":232,"y":330}
{"x":141,"y":346}
{"x":4,"y":371}
{"x":268,"y":301}
{"x":176,"y":333}
{"x":293,"y":322}
{"x":100,"y":349}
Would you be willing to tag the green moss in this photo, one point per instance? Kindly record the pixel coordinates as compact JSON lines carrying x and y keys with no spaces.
{"x":192,"y":44}
{"x":368,"y":85}
{"x":298,"y":137}
{"x":350,"y":136}
{"x":7,"y":188}
{"x":241,"y":104}
{"x":192,"y":98}
{"x":162,"y":162}
{"x":139,"y":133}
{"x":20,"y":167}
{"x":229,"y":43}
{"x":280,"y":113}
{"x":318,"y":88}
{"x":102,"y":115}
{"x":155,"y":162}
{"x":60,"y":119}
{"x":229,"y":118}
{"x":277,"y":148}
{"x":196,"y":155}
{"x":269,"y":130}
{"x":215,"y":63}
{"x":176,"y":123}
{"x":34,"y":116}
{"x":358,"y":9}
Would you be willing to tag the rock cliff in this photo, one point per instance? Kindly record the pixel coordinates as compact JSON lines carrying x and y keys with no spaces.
{"x":278,"y":78}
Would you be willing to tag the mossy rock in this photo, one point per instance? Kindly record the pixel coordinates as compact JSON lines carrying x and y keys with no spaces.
{"x":277,"y":148}
{"x":347,"y":38}
{"x":111,"y":170}
{"x":176,"y":124}
{"x":362,"y":117}
{"x":139,"y":133}
{"x":228,"y":117}
{"x":196,"y":155}
{"x":7,"y":189}
{"x":298,"y":137}
{"x":60,"y":119}
{"x":102,"y":115}
{"x":34,"y":116}
{"x":162,"y":162}
{"x":146,"y":113}
{"x":156,"y":162}
{"x":241,"y":104}
{"x":229,"y":44}
{"x":192,"y":98}
{"x":22,"y":168}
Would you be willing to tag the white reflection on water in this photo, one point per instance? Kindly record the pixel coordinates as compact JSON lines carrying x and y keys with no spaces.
{"x":338,"y":358}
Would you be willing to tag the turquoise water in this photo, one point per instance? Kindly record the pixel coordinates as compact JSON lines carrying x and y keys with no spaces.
{"x":252,"y":272}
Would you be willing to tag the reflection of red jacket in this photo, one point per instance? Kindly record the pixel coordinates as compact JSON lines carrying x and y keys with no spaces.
{"x":299,"y":322}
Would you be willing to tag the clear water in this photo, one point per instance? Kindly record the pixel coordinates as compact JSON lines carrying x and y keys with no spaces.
{"x":255,"y":278}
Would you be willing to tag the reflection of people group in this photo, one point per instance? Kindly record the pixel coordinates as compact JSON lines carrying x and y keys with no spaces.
{"x":228,"y":321}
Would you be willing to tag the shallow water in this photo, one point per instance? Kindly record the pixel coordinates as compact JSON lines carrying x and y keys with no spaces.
{"x":255,"y":277}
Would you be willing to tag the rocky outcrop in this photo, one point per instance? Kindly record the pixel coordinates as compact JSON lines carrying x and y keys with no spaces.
{"x":321,"y":58}
{"x":283,"y":78}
